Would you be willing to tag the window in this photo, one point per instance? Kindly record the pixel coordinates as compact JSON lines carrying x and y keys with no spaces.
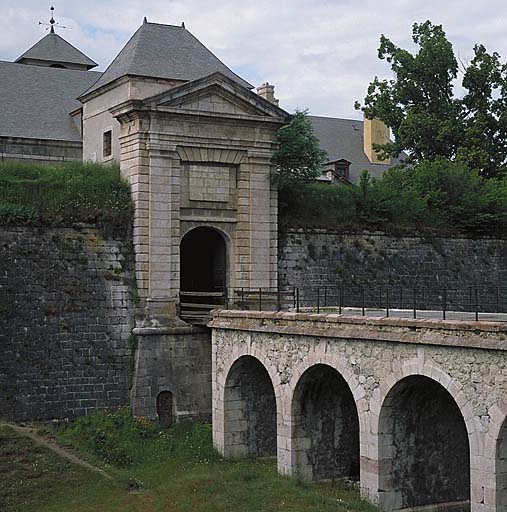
{"x":107,"y":149}
{"x":341,"y":168}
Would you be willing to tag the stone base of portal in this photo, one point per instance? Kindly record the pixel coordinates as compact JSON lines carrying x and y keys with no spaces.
{"x":172,"y":374}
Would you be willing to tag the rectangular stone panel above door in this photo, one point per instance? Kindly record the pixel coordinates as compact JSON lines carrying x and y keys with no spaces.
{"x":210,"y":182}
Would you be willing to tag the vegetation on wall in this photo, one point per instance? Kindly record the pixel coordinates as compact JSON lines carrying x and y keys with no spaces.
{"x":434,"y":195}
{"x":32,"y":194}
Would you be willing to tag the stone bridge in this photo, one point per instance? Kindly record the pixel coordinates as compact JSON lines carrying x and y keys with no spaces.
{"x":415,"y":410}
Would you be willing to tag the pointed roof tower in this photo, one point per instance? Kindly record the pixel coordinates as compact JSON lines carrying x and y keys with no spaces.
{"x":164,"y":51}
{"x":53,"y":51}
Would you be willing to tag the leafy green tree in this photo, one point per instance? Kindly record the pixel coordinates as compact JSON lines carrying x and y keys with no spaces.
{"x":426,"y":117}
{"x":299,"y":158}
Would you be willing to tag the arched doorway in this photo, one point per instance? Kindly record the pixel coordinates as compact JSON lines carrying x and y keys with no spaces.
{"x":203,"y":273}
{"x":249,"y":410}
{"x":203,"y":261}
{"x":325,"y":426}
{"x":165,"y":408}
{"x":423,"y":447}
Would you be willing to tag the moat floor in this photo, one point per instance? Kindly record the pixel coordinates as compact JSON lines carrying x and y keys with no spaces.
{"x":36,"y":478}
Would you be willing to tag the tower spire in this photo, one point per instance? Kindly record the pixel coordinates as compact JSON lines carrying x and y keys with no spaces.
{"x":52,"y":20}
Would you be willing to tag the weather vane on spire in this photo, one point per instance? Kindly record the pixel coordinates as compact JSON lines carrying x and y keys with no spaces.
{"x":52,"y":22}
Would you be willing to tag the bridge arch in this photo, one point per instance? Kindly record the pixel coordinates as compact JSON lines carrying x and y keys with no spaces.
{"x":325,"y":426}
{"x":249,"y":409}
{"x":500,"y":458}
{"x":423,"y":444}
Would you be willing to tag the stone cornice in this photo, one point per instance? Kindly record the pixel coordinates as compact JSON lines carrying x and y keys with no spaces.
{"x":483,"y":335}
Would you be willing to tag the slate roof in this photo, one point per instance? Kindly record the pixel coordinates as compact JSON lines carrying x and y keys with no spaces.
{"x":164,"y":51}
{"x":35,"y":101}
{"x":53,"y":48}
{"x":343,"y":138}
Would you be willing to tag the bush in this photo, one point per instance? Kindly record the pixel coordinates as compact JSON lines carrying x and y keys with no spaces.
{"x":63,"y":194}
{"x":119,"y":439}
{"x":437,"y":195}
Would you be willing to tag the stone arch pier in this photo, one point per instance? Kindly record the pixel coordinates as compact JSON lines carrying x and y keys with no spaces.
{"x":414,"y":410}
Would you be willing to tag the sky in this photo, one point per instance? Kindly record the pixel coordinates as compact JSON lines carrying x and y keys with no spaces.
{"x":319,"y":54}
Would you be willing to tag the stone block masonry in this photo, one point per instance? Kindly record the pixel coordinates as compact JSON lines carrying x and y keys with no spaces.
{"x":66,"y":317}
{"x":415,"y":410}
{"x":319,"y":257}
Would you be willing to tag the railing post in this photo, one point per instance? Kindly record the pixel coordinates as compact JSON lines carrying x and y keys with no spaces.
{"x":260,"y":299}
{"x":294,"y":296}
{"x":278,"y":301}
{"x":362,"y":301}
{"x":476,"y":305}
{"x":415,"y":303}
{"x":242,"y":298}
{"x":340,"y":301}
{"x":444,"y":303}
{"x":387,"y":302}
{"x":401,"y":298}
{"x":297,"y":300}
{"x":497,"y":299}
{"x":226,"y":298}
{"x":318,"y":299}
{"x":325,"y":296}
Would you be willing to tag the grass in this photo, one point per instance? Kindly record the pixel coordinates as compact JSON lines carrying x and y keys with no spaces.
{"x":64,"y":194}
{"x":173,"y":471}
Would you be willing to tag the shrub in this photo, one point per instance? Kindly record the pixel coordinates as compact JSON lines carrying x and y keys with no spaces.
{"x":119,"y":439}
{"x":437,"y":194}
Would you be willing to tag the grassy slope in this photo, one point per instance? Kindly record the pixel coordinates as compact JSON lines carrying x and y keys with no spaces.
{"x":181,"y":476}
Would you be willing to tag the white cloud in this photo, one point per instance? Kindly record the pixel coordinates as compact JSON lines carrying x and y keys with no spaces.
{"x":320,"y":54}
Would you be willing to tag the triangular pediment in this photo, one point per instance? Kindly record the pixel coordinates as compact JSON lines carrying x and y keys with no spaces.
{"x":217,"y":94}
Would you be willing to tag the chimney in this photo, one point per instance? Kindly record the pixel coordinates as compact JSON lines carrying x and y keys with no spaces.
{"x":375,"y":132}
{"x":267,"y":91}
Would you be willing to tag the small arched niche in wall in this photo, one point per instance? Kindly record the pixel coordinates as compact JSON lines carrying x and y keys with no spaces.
{"x":165,"y":409}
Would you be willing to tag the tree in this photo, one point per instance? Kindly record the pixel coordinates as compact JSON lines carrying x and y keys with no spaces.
{"x":298,"y":159}
{"x":426,"y":118}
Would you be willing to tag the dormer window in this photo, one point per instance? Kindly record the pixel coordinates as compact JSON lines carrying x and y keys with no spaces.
{"x":341,"y":168}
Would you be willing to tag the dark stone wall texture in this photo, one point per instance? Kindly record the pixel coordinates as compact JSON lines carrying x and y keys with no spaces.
{"x":66,"y":317}
{"x":316,"y":258}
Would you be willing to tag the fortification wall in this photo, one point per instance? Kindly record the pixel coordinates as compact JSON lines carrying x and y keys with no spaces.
{"x":66,"y":317}
{"x":317,"y":257}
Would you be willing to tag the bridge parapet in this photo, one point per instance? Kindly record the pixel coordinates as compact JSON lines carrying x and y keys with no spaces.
{"x":413,"y":408}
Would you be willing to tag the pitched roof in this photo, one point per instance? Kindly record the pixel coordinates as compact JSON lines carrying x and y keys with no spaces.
{"x":164,"y":51}
{"x":53,"y":48}
{"x":36,"y":101}
{"x":343,"y":139}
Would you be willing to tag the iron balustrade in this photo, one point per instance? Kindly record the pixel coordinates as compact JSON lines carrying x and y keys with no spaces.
{"x":472,"y":303}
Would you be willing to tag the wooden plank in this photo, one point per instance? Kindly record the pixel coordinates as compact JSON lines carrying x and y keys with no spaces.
{"x":202,"y":294}
{"x":200,"y":306}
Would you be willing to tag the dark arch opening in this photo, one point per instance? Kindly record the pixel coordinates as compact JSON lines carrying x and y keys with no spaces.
{"x":423,"y":447}
{"x":165,"y":408}
{"x":326,"y":426}
{"x":249,"y":410}
{"x":501,"y":469}
{"x":203,"y":261}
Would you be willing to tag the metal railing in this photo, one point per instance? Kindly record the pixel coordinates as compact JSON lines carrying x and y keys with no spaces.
{"x":473,"y":303}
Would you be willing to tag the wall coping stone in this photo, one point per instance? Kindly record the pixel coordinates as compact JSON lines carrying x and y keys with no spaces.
{"x":466,"y":334}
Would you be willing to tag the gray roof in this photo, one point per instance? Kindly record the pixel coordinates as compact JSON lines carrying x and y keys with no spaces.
{"x":164,"y":51}
{"x":53,"y":48}
{"x":36,"y":101}
{"x":343,"y":138}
